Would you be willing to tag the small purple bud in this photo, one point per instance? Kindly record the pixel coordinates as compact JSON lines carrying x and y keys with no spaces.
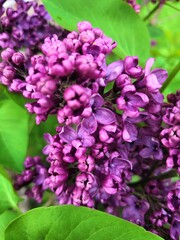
{"x":7,"y":54}
{"x":18,"y":58}
{"x":84,"y":26}
{"x":9,"y":72}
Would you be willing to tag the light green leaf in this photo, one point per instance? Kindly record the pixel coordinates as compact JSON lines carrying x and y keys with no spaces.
{"x":5,"y":219}
{"x":9,"y":198}
{"x":13,"y":134}
{"x":117,"y":19}
{"x":69,"y":223}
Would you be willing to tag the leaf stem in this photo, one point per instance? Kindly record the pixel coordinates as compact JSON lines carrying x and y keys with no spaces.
{"x":171,"y":76}
{"x":152,"y":12}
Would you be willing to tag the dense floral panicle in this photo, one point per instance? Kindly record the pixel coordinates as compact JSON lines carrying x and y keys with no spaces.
{"x":59,"y":67}
{"x":21,"y":29}
{"x":33,"y":176}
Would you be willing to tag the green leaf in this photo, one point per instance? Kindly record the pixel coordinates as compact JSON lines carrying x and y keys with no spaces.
{"x":13,"y":134}
{"x":117,"y":19}
{"x":9,"y":198}
{"x":69,"y":222}
{"x":15,"y":97}
{"x":5,"y":219}
{"x":36,"y":140}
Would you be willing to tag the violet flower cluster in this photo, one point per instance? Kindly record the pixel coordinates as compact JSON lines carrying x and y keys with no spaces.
{"x":106,"y":135}
{"x":25,"y":25}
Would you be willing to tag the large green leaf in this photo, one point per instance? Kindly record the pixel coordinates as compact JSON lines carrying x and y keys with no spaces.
{"x":5,"y":219}
{"x":9,"y":198}
{"x":13,"y":134}
{"x":70,"y":222}
{"x":117,"y":19}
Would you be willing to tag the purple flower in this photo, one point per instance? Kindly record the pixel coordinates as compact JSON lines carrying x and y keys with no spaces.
{"x":85,"y":181}
{"x":130,"y":101}
{"x":77,"y":139}
{"x":78,"y":100}
{"x":82,"y":197}
{"x":151,"y":149}
{"x":159,"y":218}
{"x":135,"y":210}
{"x":132,"y":68}
{"x":171,"y":137}
{"x":173,"y":161}
{"x":175,"y":227}
{"x":129,"y":132}
{"x":173,"y":198}
{"x":114,"y":70}
{"x":154,"y":79}
{"x":35,"y":172}
{"x":100,"y":115}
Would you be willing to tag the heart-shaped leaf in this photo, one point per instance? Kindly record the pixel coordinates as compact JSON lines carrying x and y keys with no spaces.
{"x":69,"y":222}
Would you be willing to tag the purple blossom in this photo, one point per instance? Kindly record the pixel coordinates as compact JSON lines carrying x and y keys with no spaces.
{"x":20,"y":29}
{"x":100,"y":115}
{"x":77,"y":139}
{"x":159,"y":218}
{"x":175,"y":227}
{"x":173,"y":161}
{"x":151,"y":148}
{"x":135,"y":210}
{"x":173,"y":198}
{"x":35,"y":172}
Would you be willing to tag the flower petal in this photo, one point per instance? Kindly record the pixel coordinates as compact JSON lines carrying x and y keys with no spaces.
{"x":88,"y":141}
{"x":89,"y":125}
{"x":104,"y":116}
{"x":161,"y":75}
{"x":148,"y":66}
{"x":96,"y":100}
{"x":114,"y":70}
{"x":68,"y":134}
{"x":129,"y":132}
{"x":145,"y":152}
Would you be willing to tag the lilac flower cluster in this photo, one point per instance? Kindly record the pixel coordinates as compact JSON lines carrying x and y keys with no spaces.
{"x":25,"y":25}
{"x":80,"y":56}
{"x":105,"y":135}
